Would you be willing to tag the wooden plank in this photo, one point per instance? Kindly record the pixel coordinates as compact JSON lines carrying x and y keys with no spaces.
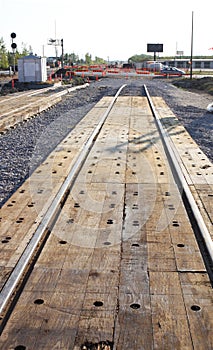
{"x":22,"y":213}
{"x":113,"y":271}
{"x":203,"y":195}
{"x":169,"y":322}
{"x":134,"y":325}
{"x":133,"y":328}
{"x":49,"y":320}
{"x":197,"y":293}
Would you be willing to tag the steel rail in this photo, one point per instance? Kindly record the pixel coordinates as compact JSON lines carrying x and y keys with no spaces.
{"x":35,"y":103}
{"x":39,"y":91}
{"x":185,"y":187}
{"x":54,"y":209}
{"x":27,"y":93}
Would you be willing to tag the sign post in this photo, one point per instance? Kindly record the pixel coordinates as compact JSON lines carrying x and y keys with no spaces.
{"x":13,"y":45}
{"x":191,"y":47}
{"x":154,"y":48}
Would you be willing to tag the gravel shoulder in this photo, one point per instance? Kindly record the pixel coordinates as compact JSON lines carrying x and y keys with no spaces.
{"x":22,"y":149}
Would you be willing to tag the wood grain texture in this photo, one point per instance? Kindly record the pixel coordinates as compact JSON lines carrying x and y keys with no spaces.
{"x":121,"y":266}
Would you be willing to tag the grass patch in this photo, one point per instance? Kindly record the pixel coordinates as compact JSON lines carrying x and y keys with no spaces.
{"x":197,"y":84}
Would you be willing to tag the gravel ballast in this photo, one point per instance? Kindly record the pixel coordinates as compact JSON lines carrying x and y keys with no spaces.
{"x":23,"y":148}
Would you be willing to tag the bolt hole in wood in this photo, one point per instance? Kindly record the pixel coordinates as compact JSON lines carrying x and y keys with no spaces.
{"x":109,"y":221}
{"x":180,"y":245}
{"x":135,"y":223}
{"x":175,"y":224}
{"x":39,"y":301}
{"x":63,"y":242}
{"x":135,"y":306}
{"x":20,"y":220}
{"x":20,"y":347}
{"x":195,"y":308}
{"x":6,"y":239}
{"x":107,"y":243}
{"x":135,"y":245}
{"x":98,"y":303}
{"x":76,"y":205}
{"x":70,"y":221}
{"x":102,"y":345}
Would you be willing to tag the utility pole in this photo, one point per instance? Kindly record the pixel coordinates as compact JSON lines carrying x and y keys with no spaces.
{"x":191,"y":46}
{"x":62,"y":53}
{"x":14,"y":46}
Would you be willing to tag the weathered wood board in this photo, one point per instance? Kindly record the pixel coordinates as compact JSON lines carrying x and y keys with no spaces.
{"x":121,"y":268}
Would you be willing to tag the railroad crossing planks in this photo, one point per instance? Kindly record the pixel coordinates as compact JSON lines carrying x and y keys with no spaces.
{"x":197,"y":168}
{"x":22,"y":106}
{"x":121,"y":267}
{"x":23,"y":212}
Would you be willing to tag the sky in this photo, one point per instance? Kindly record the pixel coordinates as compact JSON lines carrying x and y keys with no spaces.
{"x":112,"y":30}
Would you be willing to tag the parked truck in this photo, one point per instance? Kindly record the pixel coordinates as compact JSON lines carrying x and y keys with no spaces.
{"x":154,"y":66}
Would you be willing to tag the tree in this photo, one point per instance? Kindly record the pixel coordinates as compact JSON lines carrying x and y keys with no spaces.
{"x":99,"y":60}
{"x":70,"y":59}
{"x":88,"y":58}
{"x":3,"y":55}
{"x":10,"y":57}
{"x":25,"y":50}
{"x":140,"y":58}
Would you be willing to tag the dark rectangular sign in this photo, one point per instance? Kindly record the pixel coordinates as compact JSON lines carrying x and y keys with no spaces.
{"x":154,"y":47}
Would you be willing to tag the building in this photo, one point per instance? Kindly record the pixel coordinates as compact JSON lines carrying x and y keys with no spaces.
{"x":197,"y":63}
{"x":32,"y":69}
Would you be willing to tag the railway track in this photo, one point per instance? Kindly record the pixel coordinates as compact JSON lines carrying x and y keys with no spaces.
{"x":98,"y":249}
{"x":26,"y":105}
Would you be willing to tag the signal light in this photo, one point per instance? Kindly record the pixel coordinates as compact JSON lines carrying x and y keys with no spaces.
{"x":14,"y":46}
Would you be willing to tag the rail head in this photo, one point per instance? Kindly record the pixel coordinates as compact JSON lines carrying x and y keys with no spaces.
{"x":182,"y":181}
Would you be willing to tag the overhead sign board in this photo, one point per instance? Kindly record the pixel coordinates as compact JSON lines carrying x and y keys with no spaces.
{"x":55,"y":42}
{"x":179,"y":53}
{"x":154,"y":47}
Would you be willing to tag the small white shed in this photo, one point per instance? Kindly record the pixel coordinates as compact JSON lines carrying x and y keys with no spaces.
{"x":32,"y":68}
